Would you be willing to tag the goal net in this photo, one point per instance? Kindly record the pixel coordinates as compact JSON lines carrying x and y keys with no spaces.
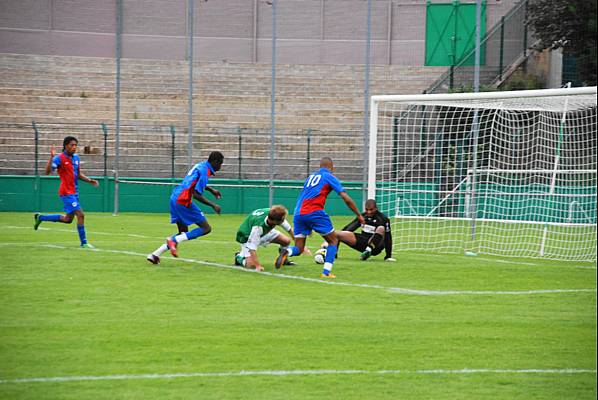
{"x":502,"y":173}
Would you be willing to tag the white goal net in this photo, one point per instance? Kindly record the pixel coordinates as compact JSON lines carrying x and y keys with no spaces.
{"x":502,"y":173}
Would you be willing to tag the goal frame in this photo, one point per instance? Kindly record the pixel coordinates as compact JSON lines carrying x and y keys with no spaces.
{"x":376,"y":100}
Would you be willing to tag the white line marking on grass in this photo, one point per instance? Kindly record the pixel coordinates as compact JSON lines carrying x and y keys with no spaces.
{"x":204,"y":240}
{"x":316,"y":372}
{"x":583,"y":267}
{"x":133,"y":235}
{"x":507,"y":261}
{"x":329,"y":282}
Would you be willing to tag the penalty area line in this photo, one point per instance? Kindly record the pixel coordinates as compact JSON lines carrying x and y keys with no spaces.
{"x":317,"y":372}
{"x":406,"y":291}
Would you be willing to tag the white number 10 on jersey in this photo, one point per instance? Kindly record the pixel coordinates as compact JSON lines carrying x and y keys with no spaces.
{"x":313,"y":180}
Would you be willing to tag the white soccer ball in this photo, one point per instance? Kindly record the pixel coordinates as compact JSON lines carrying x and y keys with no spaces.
{"x":320,"y":256}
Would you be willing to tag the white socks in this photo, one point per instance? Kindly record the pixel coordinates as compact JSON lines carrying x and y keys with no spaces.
{"x":181,"y":238}
{"x":160,"y":250}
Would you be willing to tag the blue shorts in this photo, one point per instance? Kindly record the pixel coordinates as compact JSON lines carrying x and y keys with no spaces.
{"x":70,"y":203}
{"x":185,"y":215}
{"x":318,"y":221}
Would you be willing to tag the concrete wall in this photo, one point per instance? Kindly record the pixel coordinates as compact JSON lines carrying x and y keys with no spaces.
{"x":308,"y":31}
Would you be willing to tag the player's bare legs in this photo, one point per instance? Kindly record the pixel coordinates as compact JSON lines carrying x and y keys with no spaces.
{"x":285,"y":252}
{"x":282,"y":240}
{"x":347,"y":237}
{"x":184,"y":234}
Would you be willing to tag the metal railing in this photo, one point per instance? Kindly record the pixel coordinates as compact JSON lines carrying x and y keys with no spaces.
{"x":505,"y":46}
{"x":162,"y":151}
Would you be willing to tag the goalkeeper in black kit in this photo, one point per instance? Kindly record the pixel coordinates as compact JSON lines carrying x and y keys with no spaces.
{"x":375,"y":234}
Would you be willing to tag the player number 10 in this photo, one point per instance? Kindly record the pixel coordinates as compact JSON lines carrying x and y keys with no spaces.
{"x":313,"y":180}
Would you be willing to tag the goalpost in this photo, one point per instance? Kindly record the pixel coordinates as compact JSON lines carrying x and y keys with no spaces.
{"x":502,"y":173}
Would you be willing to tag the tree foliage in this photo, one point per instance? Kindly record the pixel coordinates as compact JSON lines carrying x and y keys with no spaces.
{"x":570,"y":25}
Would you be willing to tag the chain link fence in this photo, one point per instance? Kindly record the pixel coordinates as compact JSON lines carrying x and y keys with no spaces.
{"x":244,"y":92}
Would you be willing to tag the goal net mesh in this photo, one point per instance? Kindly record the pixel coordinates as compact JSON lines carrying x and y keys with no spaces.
{"x":508,"y":176}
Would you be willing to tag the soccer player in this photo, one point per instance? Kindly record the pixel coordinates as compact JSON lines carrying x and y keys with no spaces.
{"x":310,"y":215}
{"x":258,"y":230}
{"x":375,"y":234}
{"x":68,"y":166}
{"x":183,"y":212}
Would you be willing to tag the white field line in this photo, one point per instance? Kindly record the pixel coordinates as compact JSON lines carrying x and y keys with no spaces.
{"x":132,"y":235}
{"x":205,"y":240}
{"x":326,"y":282}
{"x":316,"y":372}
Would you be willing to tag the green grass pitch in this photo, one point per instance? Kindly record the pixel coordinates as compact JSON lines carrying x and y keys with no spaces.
{"x":106,"y":324}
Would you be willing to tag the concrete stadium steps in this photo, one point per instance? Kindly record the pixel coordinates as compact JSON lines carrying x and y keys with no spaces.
{"x":74,"y":95}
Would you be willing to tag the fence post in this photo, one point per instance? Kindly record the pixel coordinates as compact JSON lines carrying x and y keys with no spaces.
{"x":451,"y":76}
{"x":172,"y":149}
{"x":502,"y":47}
{"x":36,"y":182}
{"x":240,"y":159}
{"x":118,"y":55}
{"x":272,"y":107}
{"x":308,"y":151}
{"x":105,"y":130}
{"x":240,"y":171}
{"x":525,"y":31}
{"x":106,"y":180}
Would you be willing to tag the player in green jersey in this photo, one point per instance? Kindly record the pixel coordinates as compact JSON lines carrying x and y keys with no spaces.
{"x":258,"y":230}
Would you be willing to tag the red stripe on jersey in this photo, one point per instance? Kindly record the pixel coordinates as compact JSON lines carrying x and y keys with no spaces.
{"x":186,"y":196}
{"x":66,"y":172}
{"x":316,"y":203}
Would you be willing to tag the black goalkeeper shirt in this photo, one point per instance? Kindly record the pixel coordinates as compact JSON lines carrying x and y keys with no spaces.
{"x":371,"y":223}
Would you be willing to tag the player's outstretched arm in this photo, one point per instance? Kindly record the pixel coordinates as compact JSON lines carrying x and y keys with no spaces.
{"x":215,"y":192}
{"x":253,"y":262}
{"x":49,"y":163}
{"x":352,"y":226}
{"x":207,"y":202}
{"x":287,"y":227}
{"x":87,"y":179}
{"x":351,"y":204}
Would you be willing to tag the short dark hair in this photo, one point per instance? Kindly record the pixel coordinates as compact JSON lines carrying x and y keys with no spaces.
{"x":371,"y":203}
{"x":67,"y":140}
{"x":216,"y":157}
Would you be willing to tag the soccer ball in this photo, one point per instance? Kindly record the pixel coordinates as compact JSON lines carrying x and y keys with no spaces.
{"x":320,"y":256}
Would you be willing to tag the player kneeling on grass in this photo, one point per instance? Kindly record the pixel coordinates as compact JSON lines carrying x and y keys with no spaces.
{"x":68,"y":166}
{"x":183,"y":212}
{"x":258,"y":230}
{"x":375,"y":233}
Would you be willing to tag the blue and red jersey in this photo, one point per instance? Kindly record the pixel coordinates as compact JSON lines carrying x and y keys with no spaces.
{"x":316,"y":188}
{"x":68,"y":171}
{"x":195,"y":181}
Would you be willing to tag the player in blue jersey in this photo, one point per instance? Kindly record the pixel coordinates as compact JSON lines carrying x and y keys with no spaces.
{"x":68,"y":166}
{"x":310,"y":215}
{"x":184,"y":212}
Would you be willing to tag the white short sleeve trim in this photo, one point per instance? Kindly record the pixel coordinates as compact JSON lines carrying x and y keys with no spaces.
{"x":286,"y":226}
{"x":254,"y":238}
